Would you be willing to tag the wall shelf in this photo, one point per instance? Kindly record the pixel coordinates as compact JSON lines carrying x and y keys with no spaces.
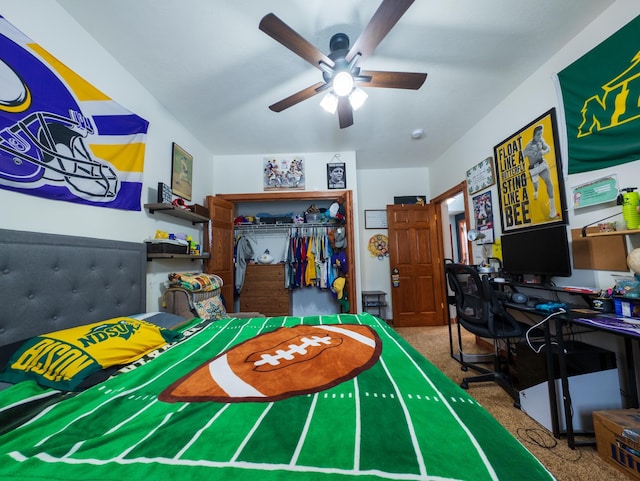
{"x":257,"y":228}
{"x":615,"y":232}
{"x":176,"y":256}
{"x":174,"y":211}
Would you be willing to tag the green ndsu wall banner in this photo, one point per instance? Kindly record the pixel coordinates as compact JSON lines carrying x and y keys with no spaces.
{"x":601,"y":99}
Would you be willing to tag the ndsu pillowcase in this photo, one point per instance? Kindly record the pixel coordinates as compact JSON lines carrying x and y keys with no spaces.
{"x":63,"y":359}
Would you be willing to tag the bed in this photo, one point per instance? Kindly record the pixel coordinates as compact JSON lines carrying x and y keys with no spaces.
{"x":344,"y":398}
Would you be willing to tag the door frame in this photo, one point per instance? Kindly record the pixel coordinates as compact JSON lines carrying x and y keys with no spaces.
{"x":443,"y":227}
{"x":344,"y":197}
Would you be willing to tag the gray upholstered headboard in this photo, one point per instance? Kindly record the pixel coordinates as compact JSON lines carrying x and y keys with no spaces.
{"x":50,"y":282}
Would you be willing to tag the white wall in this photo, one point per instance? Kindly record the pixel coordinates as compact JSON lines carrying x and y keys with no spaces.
{"x":531,"y":99}
{"x":376,"y":190}
{"x":372,"y":189}
{"x":242,"y":174}
{"x":56,"y":31}
{"x":50,"y":26}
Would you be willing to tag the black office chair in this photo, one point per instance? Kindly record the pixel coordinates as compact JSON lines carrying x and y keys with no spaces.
{"x":479,"y":311}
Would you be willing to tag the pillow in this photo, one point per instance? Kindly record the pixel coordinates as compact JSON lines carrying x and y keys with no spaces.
{"x":162,"y":319}
{"x":211,"y":308}
{"x":63,"y":359}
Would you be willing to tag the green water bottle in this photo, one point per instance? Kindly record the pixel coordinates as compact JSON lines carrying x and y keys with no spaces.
{"x":630,"y":200}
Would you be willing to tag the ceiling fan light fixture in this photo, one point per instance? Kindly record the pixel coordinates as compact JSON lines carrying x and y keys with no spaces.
{"x":343,"y":84}
{"x":357,"y":98}
{"x":340,"y":72}
{"x":329,"y":102}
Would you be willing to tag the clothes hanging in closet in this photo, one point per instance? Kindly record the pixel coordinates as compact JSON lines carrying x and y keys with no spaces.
{"x":308,"y":259}
{"x":244,"y":253}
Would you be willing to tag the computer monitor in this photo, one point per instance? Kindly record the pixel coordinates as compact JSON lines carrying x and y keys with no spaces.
{"x":543,"y":251}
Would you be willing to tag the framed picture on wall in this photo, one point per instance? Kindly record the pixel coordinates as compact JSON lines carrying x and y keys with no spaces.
{"x":529,"y":176}
{"x":375,"y":219}
{"x":181,"y":172}
{"x":481,"y":176}
{"x":283,"y":174}
{"x":336,"y":175}
{"x":483,"y":215}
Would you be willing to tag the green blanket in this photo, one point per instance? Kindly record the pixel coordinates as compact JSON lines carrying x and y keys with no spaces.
{"x":400,"y":419}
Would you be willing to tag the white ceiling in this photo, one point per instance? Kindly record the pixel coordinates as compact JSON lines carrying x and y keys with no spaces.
{"x":210,"y":66}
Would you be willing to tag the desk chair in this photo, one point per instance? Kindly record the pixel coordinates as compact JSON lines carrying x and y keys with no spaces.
{"x":480,"y":312}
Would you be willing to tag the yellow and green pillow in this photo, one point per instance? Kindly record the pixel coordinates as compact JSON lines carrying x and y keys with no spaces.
{"x":63,"y":359}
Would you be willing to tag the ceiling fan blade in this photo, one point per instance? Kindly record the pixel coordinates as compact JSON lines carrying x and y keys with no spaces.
{"x":281,"y":32}
{"x":394,"y":80}
{"x":345,"y":112}
{"x":296,"y":98}
{"x":387,"y":15}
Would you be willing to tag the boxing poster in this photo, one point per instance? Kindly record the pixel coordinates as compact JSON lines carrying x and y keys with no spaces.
{"x":529,"y":176}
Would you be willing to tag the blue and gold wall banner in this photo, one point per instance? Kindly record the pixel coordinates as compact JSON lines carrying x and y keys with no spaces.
{"x":529,"y":176}
{"x":601,"y":100}
{"x":60,"y":137}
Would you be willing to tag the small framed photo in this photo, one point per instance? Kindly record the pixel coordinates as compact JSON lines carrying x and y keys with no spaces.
{"x":181,"y":172}
{"x":336,"y":175}
{"x":375,"y":219}
{"x":481,"y":176}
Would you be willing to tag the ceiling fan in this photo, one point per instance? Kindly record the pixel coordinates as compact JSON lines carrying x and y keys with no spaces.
{"x":341,"y":74}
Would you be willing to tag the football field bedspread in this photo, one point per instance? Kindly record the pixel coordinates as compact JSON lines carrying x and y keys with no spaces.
{"x":388,"y":414}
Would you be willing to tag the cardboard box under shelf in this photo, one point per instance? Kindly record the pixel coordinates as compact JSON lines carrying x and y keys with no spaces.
{"x":618,"y":438}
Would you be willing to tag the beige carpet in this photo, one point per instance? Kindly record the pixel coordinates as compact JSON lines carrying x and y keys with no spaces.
{"x":565,"y":464}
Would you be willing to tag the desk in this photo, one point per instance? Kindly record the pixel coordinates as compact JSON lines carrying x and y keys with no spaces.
{"x":611,"y":324}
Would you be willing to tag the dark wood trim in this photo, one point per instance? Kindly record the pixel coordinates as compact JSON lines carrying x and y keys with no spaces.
{"x":344,"y":197}
{"x":438,"y":201}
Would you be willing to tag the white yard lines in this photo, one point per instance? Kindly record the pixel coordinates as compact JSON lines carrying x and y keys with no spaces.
{"x":255,"y":427}
{"x":76,"y":447}
{"x":407,"y":416}
{"x":130,"y":391}
{"x":151,"y":432}
{"x":358,"y":429}
{"x":240,"y":466}
{"x":472,"y":438}
{"x":197,"y":435}
{"x":131,"y":418}
{"x":30,"y":399}
{"x":305,"y":431}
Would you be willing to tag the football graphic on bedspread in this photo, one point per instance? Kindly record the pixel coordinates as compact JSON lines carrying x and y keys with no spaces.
{"x":287,"y":362}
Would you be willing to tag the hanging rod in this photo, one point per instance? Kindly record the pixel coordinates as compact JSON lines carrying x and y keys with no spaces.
{"x":282,"y":227}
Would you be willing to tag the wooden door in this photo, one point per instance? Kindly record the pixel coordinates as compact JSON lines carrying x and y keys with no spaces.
{"x":413,"y":250}
{"x":220,"y":239}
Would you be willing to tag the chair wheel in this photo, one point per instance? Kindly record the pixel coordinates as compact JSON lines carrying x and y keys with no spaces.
{"x":464,"y":368}
{"x":516,"y":404}
{"x":464,"y":385}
